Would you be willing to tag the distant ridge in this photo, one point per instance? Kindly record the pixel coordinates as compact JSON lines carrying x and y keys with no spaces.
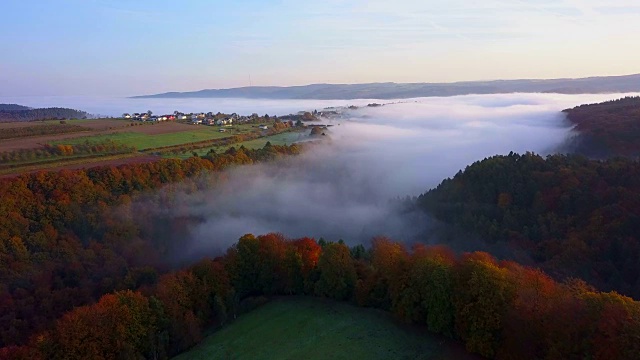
{"x":590,"y":85}
{"x":15,"y":112}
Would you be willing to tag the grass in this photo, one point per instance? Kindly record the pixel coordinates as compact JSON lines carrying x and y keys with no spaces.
{"x":285,"y":138}
{"x":143,"y":141}
{"x":311,"y":328}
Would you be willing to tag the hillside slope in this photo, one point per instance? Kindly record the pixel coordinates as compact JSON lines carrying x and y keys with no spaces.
{"x":575,"y":217}
{"x":610,"y":128}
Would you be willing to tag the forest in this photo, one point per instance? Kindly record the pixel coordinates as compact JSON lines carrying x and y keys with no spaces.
{"x":498,"y":309}
{"x":86,"y":274}
{"x":611,"y":128}
{"x":11,"y":112}
{"x":573,"y":216}
{"x":65,"y":239}
{"x":89,"y":268}
{"x":13,"y":107}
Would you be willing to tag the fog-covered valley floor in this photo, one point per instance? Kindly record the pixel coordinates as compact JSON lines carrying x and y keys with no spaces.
{"x":347,"y":188}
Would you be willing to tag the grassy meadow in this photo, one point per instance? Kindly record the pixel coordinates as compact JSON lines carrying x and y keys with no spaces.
{"x":285,"y":138}
{"x":312,"y":328}
{"x":144,"y":141}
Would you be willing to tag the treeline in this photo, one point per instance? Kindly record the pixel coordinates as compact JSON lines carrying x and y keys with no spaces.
{"x":13,"y":107}
{"x":40,"y":130}
{"x":497,"y":309}
{"x":608,"y":129}
{"x":53,"y":113}
{"x":107,"y":147}
{"x":68,"y":237}
{"x":575,"y":217}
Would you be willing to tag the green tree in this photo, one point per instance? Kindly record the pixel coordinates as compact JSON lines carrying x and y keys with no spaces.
{"x":337,"y":272}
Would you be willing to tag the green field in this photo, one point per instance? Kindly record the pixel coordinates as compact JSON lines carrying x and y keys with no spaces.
{"x":312,"y":328}
{"x":285,"y":138}
{"x":145,"y":141}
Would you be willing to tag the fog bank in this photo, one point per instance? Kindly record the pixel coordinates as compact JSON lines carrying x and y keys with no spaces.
{"x":344,"y":189}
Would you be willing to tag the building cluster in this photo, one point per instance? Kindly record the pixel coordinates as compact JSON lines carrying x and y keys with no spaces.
{"x":208,"y":118}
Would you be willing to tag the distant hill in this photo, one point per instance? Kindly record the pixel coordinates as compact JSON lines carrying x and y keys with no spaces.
{"x":609,"y":84}
{"x":13,"y":107}
{"x":13,"y":112}
{"x":611,"y":128}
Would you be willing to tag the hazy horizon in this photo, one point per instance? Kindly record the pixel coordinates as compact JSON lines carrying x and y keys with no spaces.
{"x":123,"y":48}
{"x":116,"y":106}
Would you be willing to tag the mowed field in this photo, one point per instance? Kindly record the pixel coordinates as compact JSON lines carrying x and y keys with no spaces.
{"x":99,"y":129}
{"x":286,"y":138}
{"x":312,"y":328}
{"x":167,"y":134}
{"x":147,"y":134}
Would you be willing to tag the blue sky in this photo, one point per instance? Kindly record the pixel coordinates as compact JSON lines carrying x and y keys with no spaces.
{"x":117,"y":47}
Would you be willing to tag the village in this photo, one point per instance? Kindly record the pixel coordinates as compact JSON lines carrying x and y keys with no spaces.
{"x":228,"y":120}
{"x":208,"y":118}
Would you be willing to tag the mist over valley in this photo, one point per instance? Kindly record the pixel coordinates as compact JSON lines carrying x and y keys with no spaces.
{"x":350,"y":185}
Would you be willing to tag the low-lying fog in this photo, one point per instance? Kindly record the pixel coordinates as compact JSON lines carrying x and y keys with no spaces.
{"x":116,"y":106}
{"x":345,"y":188}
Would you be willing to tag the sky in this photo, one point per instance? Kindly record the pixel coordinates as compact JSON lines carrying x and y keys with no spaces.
{"x":123,"y":47}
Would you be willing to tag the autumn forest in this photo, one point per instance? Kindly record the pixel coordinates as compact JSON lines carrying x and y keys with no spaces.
{"x":87,"y":273}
